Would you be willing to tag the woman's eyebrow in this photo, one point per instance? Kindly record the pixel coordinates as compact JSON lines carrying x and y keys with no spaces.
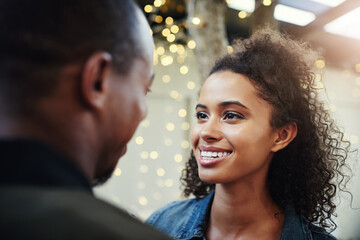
{"x":226,"y":103}
{"x":200,"y":106}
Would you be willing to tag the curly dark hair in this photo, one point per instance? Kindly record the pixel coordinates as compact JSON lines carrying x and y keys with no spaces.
{"x":310,"y":170}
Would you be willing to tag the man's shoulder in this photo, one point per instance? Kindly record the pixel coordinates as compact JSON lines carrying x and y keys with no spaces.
{"x":66,"y":214}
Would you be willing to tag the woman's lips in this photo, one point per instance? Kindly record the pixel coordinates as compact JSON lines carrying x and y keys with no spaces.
{"x":210,"y":158}
{"x":212,"y":149}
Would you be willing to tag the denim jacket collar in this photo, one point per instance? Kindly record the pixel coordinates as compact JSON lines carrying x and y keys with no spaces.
{"x":188,"y":219}
{"x":200,"y":215}
{"x":295,"y":227}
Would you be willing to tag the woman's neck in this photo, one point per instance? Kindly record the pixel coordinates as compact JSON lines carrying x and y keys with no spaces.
{"x":244,"y":211}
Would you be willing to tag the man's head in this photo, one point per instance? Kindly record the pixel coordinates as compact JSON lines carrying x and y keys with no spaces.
{"x":39,"y":37}
{"x":82,"y":69}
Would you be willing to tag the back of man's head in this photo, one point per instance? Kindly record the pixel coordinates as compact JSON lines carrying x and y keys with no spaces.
{"x":39,"y":37}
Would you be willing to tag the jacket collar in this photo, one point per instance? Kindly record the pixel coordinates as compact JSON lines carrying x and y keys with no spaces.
{"x":295,"y":227}
{"x":200,"y":216}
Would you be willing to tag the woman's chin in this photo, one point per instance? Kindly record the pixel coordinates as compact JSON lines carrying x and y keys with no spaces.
{"x":209,"y":178}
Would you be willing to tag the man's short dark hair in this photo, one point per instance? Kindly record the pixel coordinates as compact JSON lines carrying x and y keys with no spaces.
{"x":38,"y":37}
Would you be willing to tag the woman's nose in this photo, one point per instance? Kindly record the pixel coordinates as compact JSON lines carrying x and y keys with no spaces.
{"x":211,"y":131}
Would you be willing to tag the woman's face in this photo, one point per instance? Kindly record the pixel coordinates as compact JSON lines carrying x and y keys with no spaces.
{"x":232,"y":138}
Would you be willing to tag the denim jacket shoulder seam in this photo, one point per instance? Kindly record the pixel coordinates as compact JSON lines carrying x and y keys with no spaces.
{"x":313,"y":229}
{"x":326,"y":234}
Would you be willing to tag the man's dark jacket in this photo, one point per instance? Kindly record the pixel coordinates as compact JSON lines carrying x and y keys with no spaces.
{"x":43,"y":195}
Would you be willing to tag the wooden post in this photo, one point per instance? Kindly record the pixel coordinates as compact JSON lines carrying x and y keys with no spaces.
{"x":264,"y":15}
{"x":207,"y":28}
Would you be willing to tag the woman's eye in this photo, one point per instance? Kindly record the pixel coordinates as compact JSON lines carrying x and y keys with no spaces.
{"x":232,"y":115}
{"x":201,"y":115}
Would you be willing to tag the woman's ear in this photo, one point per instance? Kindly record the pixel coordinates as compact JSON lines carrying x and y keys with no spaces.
{"x":284,"y":136}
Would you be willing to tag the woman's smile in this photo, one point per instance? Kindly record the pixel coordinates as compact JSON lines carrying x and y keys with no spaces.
{"x":209,"y":156}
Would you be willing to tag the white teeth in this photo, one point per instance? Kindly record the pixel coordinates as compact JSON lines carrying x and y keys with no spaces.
{"x":213,"y":154}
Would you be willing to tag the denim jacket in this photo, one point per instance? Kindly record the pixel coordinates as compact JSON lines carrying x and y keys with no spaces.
{"x":188,"y":220}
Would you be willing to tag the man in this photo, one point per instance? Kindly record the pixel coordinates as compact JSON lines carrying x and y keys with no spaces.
{"x":73,"y":79}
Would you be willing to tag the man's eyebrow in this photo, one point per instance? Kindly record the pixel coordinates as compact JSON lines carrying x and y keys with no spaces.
{"x":226,"y":103}
{"x":200,"y":106}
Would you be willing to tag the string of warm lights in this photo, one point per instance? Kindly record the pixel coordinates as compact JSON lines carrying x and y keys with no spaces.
{"x":173,"y":47}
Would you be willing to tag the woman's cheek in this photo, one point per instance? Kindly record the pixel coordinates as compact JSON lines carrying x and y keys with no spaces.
{"x":194,"y":136}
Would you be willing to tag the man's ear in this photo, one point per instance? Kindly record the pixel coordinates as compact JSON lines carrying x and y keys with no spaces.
{"x":94,"y":77}
{"x":284,"y":136}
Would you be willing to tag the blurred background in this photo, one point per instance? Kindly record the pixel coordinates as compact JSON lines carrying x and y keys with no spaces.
{"x":189,"y":36}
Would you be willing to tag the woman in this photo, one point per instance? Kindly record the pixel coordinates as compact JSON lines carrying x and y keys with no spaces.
{"x":266,"y":153}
